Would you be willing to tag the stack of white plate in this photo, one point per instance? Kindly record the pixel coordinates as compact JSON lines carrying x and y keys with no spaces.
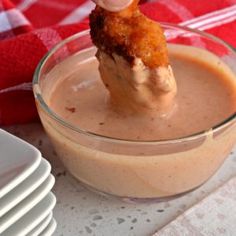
{"x":26,"y":201}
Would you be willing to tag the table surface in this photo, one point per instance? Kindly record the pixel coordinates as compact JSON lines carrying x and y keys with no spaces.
{"x":82,"y":212}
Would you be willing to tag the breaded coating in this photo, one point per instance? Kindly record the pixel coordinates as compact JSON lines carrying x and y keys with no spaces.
{"x":133,"y":61}
{"x":130,"y":34}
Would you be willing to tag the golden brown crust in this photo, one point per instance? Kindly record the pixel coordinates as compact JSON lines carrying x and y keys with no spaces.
{"x":130,"y":34}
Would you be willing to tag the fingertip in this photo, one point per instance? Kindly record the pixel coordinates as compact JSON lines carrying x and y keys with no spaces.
{"x":113,"y":5}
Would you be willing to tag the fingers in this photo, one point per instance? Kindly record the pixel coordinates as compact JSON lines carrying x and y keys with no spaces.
{"x":113,"y":5}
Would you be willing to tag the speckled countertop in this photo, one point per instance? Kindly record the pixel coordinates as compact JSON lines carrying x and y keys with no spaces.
{"x":81,"y":212}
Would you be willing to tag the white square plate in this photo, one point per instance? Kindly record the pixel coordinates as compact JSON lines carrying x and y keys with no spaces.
{"x":26,"y":205}
{"x":24,"y":189}
{"x":33,"y":218}
{"x":18,"y":160}
{"x":41,"y":226}
{"x":50,"y":228}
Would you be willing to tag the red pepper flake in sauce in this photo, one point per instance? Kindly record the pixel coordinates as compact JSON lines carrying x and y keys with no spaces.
{"x":71,"y":109}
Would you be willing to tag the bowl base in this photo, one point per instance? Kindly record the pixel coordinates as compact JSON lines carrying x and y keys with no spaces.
{"x":74,"y":181}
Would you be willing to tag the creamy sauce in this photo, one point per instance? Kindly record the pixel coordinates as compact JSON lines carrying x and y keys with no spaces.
{"x":206,"y":97}
{"x":137,"y":88}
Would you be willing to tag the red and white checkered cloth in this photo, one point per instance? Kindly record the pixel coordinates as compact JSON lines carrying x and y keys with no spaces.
{"x":29,"y":28}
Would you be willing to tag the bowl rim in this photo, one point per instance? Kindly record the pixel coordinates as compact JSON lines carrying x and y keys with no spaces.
{"x":202,"y":134}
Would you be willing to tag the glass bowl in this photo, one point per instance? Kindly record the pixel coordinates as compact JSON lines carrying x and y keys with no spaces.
{"x":138,"y":170}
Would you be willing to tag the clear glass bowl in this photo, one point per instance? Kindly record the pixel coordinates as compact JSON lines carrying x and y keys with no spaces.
{"x":135,"y":169}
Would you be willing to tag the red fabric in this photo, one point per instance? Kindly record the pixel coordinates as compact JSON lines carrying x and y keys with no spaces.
{"x":28,"y":29}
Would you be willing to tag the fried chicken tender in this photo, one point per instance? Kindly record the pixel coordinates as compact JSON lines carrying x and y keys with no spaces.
{"x":133,"y":58}
{"x":130,"y":34}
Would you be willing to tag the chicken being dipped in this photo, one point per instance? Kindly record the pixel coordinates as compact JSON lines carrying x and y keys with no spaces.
{"x":133,"y":60}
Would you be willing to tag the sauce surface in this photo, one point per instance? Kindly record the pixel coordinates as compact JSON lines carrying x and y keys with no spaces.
{"x":206,"y":96}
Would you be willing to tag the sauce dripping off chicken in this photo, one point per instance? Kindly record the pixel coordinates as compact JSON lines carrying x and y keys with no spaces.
{"x":133,"y":60}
